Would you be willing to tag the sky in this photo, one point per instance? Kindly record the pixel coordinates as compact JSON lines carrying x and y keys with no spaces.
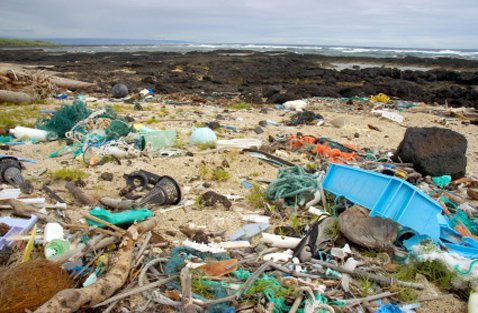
{"x":448,"y":24}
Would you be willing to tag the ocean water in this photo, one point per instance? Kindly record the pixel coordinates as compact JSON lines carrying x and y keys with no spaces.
{"x":299,"y":49}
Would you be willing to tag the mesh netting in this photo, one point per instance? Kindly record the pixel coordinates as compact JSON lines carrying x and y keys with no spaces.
{"x":64,"y":120}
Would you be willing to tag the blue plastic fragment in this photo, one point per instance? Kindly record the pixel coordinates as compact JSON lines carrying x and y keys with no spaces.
{"x":247,"y":231}
{"x":386,"y":197}
{"x":389,"y":308}
{"x":390,"y":197}
{"x":246,"y":184}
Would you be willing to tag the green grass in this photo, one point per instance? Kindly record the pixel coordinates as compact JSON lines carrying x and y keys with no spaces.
{"x":68,"y":174}
{"x":18,"y":115}
{"x":25,"y":43}
{"x":241,"y":106}
{"x":365,"y":286}
{"x":220,"y":174}
{"x":256,"y":197}
{"x":435,"y":272}
{"x":217,"y":174}
{"x":333,"y":230}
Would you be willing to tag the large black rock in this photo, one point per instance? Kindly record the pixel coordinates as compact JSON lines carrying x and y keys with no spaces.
{"x":434,"y":151}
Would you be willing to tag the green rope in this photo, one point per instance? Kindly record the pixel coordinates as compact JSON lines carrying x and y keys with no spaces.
{"x":466,"y":272}
{"x":461,"y":217}
{"x":291,"y":185}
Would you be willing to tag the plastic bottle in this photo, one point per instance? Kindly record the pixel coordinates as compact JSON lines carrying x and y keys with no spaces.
{"x":33,"y":133}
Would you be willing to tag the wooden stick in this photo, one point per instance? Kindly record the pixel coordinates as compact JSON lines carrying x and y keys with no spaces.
{"x":147,"y":238}
{"x":105,"y":223}
{"x":79,"y":195}
{"x":136,"y":290}
{"x":353,"y":302}
{"x":187,"y":305}
{"x":296,"y":304}
{"x":95,"y":229}
{"x":377,"y":278}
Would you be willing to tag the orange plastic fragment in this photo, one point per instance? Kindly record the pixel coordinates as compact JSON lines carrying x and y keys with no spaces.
{"x":219,"y":268}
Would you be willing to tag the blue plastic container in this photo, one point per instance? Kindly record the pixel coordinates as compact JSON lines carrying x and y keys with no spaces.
{"x":386,"y":197}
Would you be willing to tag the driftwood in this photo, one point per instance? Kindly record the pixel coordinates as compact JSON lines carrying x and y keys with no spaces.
{"x":25,"y":210}
{"x":15,"y":97}
{"x":71,"y":300}
{"x":70,"y":83}
{"x":187,"y":305}
{"x":79,"y":195}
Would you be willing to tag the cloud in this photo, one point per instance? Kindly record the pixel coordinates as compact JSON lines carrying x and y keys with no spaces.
{"x":397,"y":23}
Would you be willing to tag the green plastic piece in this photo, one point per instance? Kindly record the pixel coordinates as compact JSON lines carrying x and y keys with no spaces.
{"x":120,"y":218}
{"x":442,"y":181}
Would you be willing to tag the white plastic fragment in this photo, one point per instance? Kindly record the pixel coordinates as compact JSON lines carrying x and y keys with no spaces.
{"x":297,"y":105}
{"x":390,"y":115}
{"x":280,"y":241}
{"x":9,"y":194}
{"x":256,"y":218}
{"x":279,"y":256}
{"x":211,"y":247}
{"x":239,"y":143}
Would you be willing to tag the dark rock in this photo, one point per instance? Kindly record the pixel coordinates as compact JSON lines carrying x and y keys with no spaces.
{"x":119,"y":91}
{"x":258,"y":130}
{"x":263,"y":123}
{"x":434,"y":151}
{"x":200,"y":237}
{"x":210,"y":198}
{"x":106,"y":176}
{"x":213,"y":125}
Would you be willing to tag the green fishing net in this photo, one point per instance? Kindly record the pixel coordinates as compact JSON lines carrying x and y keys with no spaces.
{"x":462,"y":217}
{"x":64,"y":119}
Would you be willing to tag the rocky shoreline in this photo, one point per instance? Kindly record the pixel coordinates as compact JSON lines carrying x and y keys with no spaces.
{"x":265,"y":77}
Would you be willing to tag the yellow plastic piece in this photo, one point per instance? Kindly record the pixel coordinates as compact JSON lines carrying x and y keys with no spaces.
{"x":29,"y":247}
{"x":381,"y":97}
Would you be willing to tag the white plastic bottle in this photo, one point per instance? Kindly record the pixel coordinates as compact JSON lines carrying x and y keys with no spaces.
{"x":33,"y":133}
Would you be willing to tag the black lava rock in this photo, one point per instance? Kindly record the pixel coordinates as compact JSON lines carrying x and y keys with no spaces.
{"x":119,"y":91}
{"x":434,"y":151}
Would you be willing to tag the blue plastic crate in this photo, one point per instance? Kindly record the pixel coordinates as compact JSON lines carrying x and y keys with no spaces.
{"x":387,"y":197}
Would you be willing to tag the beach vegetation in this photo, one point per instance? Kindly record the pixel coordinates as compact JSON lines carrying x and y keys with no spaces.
{"x":68,"y":174}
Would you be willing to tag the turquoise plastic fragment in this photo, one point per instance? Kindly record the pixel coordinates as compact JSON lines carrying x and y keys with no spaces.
{"x":120,"y":218}
{"x":442,"y":181}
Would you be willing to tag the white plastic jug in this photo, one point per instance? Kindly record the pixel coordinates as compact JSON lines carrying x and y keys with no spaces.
{"x":32,"y":133}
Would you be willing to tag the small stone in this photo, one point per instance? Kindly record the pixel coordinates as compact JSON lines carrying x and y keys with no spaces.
{"x":106,"y":176}
{"x":213,"y":125}
{"x":171,"y":233}
{"x":258,"y":130}
{"x":206,"y":185}
{"x":263,"y":123}
{"x":200,"y":237}
{"x":356,"y":135}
